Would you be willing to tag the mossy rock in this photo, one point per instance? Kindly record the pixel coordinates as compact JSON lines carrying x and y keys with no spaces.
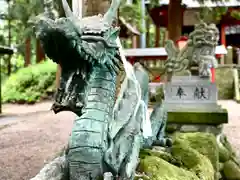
{"x":193,"y":156}
{"x":160,"y":154}
{"x":159,"y":169}
{"x":193,"y":160}
{"x":204,"y":143}
{"x":231,"y":170}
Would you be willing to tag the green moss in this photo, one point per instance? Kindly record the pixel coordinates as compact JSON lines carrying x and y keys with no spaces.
{"x":163,"y":155}
{"x":204,"y":143}
{"x":231,"y":170}
{"x":192,"y":160}
{"x":215,"y":118}
{"x":159,"y":169}
{"x":30,"y":84}
{"x":225,"y":150}
{"x":193,"y":156}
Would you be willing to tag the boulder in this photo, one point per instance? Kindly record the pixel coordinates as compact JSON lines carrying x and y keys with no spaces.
{"x":204,"y":143}
{"x":157,"y":168}
{"x":231,"y":170}
{"x":193,"y":156}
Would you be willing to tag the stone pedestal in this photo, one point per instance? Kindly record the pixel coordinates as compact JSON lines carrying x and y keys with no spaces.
{"x":191,"y":100}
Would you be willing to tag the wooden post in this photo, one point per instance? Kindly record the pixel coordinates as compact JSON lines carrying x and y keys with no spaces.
{"x":27,"y":51}
{"x":40,"y":55}
{"x":175,"y":19}
{"x":223,"y":35}
{"x":147,"y":33}
{"x":134,"y":41}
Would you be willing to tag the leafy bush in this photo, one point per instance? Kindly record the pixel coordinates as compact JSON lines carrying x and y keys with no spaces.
{"x":30,"y":84}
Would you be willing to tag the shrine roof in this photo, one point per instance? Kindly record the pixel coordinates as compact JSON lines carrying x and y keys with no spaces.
{"x":6,"y":50}
{"x":152,"y":52}
{"x":208,"y":3}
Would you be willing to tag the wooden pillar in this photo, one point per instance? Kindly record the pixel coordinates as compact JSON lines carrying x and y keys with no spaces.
{"x":40,"y":55}
{"x":157,"y":36}
{"x":27,"y":51}
{"x":148,"y":33}
{"x":138,"y":41}
{"x":223,"y":42}
{"x":134,"y":41}
{"x":223,"y":35}
{"x":175,"y":19}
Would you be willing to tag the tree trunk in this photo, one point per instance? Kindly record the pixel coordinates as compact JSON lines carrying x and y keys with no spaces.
{"x":95,"y":7}
{"x":9,"y":65}
{"x":27,"y":51}
{"x":148,"y":21}
{"x":175,"y":20}
{"x":40,"y":55}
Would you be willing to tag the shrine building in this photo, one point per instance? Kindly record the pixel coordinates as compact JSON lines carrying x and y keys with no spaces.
{"x":229,"y":28}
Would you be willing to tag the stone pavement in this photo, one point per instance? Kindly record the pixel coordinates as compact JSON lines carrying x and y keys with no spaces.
{"x":11,"y":111}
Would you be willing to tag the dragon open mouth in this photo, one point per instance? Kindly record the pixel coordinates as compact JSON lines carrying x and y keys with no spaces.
{"x":78,"y":46}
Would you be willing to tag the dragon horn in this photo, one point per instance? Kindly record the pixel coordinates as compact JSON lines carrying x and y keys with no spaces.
{"x":110,"y":15}
{"x":69,"y":14}
{"x":67,"y":9}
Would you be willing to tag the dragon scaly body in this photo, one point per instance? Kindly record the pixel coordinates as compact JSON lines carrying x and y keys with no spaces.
{"x":107,"y":135}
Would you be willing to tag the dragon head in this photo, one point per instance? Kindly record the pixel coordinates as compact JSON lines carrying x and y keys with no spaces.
{"x":79,"y":46}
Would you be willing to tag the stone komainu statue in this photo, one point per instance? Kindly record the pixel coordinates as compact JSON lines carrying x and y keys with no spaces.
{"x":199,"y":50}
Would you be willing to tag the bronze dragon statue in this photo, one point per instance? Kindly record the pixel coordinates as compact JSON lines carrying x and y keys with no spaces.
{"x":109,"y":132}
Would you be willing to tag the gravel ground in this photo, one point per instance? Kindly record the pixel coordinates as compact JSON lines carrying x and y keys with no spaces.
{"x":27,"y":145}
{"x":232,"y":129}
{"x":34,"y":139}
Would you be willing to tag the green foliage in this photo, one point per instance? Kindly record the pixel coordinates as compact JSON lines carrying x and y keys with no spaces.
{"x":19,"y":14}
{"x":235,"y":14}
{"x":17,"y":62}
{"x":132,"y":14}
{"x":30,"y":84}
{"x":212,"y":14}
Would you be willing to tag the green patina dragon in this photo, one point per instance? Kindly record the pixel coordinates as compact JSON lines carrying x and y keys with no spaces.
{"x":108,"y":133}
